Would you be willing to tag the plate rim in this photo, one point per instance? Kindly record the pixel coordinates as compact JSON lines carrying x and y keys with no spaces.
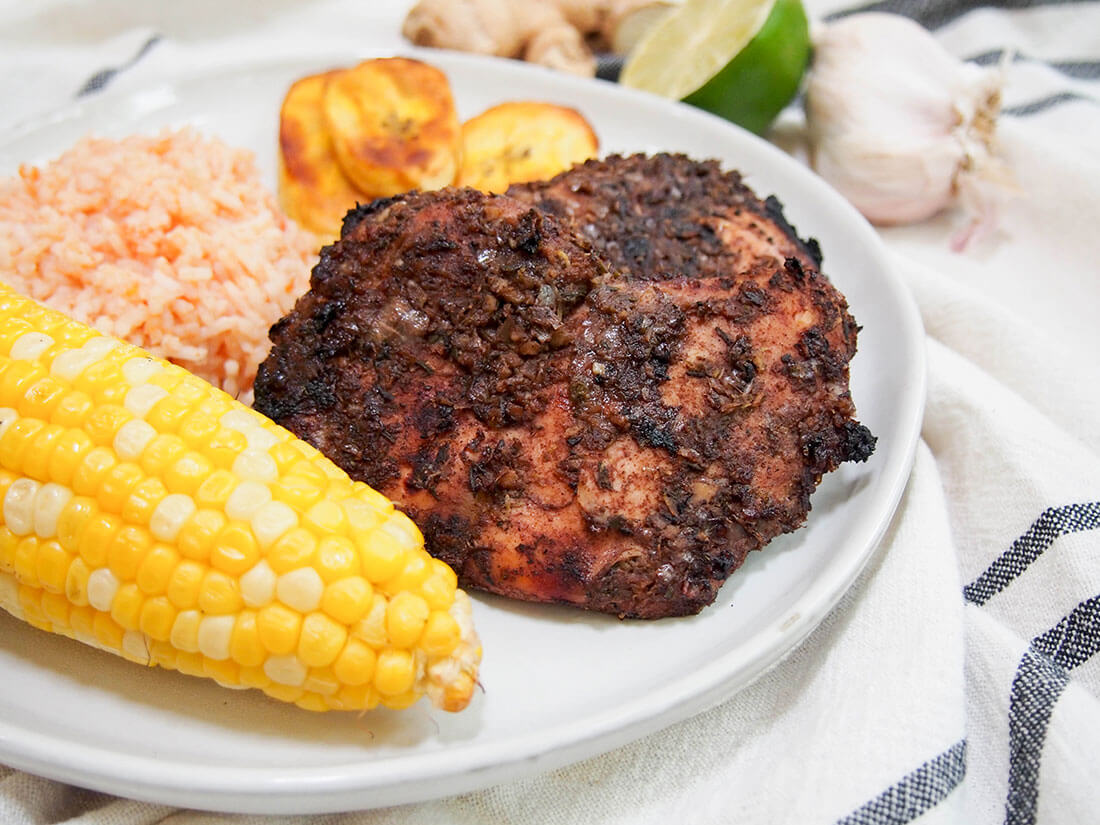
{"x":338,"y":787}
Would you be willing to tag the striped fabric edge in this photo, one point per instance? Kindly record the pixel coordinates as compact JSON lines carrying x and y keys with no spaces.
{"x":1041,"y":677}
{"x":103,"y":77}
{"x":1051,"y":524}
{"x":915,"y":794}
{"x":932,"y":14}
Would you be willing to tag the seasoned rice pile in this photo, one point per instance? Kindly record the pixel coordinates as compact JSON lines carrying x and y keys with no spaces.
{"x":170,"y":242}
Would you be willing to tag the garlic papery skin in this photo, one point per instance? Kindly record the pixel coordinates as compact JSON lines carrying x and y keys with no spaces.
{"x":897,"y":124}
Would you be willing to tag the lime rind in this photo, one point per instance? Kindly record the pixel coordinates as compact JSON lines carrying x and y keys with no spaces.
{"x":740,"y":59}
{"x":754,"y":87}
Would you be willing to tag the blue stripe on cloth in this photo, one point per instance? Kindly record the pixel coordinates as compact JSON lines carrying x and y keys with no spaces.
{"x":1051,"y":524}
{"x":1041,"y":677}
{"x":915,"y":794}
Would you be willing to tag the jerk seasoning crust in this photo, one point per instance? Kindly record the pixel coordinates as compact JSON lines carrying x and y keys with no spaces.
{"x":563,"y":427}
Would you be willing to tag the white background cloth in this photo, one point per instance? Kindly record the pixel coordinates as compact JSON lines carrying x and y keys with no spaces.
{"x":915,"y":699}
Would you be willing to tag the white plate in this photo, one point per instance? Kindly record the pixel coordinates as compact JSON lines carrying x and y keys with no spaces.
{"x":559,"y":684}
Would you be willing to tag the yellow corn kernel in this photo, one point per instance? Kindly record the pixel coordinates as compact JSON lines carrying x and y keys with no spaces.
{"x":214,"y":492}
{"x":325,"y":516}
{"x":355,"y":663}
{"x":198,"y":428}
{"x":72,"y":520}
{"x":18,"y":376}
{"x":372,"y":627}
{"x":52,"y":566}
{"x":253,"y":676}
{"x":190,"y":662}
{"x":143,"y":500}
{"x":103,"y":423}
{"x":412,"y":576}
{"x":116,"y":485}
{"x":439,"y":588}
{"x":336,"y":558}
{"x":16,"y":440}
{"x":245,"y":646}
{"x":279,"y":627}
{"x":185,"y":631}
{"x":223,"y":671}
{"x":224,"y":446}
{"x":321,"y":681}
{"x":347,"y":600}
{"x":26,"y":558}
{"x":187,"y":473}
{"x":107,"y":632}
{"x":101,"y":380}
{"x":127,"y":551}
{"x":400,"y":701}
{"x":68,"y":452}
{"x":73,"y":410}
{"x":284,"y":693}
{"x":30,"y":603}
{"x":381,"y":556}
{"x":185,"y":584}
{"x":82,"y":623}
{"x":126,"y":606}
{"x":76,"y":582}
{"x":157,"y":617}
{"x":441,"y":634}
{"x":312,"y":701}
{"x":394,"y":672}
{"x":293,"y":550}
{"x":219,"y":594}
{"x":405,"y":618}
{"x":41,"y":397}
{"x":196,"y":536}
{"x":235,"y":549}
{"x":99,"y":531}
{"x":321,"y":640}
{"x":163,"y":654}
{"x":56,"y":608}
{"x":8,"y":543}
{"x":36,"y":460}
{"x":167,"y":414}
{"x":161,"y":453}
{"x":300,"y":493}
{"x":97,"y":462}
{"x":156,"y":569}
{"x":362,"y":517}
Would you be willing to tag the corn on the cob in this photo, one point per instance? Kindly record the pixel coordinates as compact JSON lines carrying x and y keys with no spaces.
{"x":151,"y":515}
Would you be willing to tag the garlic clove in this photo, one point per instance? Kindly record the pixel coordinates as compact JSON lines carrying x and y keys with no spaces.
{"x":896,"y":123}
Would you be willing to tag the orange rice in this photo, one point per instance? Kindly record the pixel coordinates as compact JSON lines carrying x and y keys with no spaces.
{"x":170,"y":242}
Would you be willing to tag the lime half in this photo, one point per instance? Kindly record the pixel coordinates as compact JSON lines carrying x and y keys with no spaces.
{"x":741,"y":59}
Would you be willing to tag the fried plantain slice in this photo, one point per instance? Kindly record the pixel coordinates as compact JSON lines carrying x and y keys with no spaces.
{"x":393,"y":126}
{"x":312,"y":188}
{"x":523,"y":141}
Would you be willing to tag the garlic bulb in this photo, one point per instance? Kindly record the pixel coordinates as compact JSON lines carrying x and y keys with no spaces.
{"x":898,"y":125}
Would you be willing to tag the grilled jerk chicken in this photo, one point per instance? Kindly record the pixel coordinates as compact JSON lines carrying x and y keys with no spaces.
{"x":569,"y":414}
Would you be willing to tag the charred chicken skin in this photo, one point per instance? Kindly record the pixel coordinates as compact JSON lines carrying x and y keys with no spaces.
{"x":562,"y":426}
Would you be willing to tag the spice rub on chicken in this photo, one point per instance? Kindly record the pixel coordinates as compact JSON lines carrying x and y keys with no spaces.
{"x":565,"y":430}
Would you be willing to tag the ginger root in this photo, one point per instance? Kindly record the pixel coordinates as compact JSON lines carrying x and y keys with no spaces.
{"x":561,"y":34}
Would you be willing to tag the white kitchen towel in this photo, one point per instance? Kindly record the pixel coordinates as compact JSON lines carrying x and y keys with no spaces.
{"x":956,"y":681}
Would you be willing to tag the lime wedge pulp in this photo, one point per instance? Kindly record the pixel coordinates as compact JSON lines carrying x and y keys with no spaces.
{"x":740,"y":59}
